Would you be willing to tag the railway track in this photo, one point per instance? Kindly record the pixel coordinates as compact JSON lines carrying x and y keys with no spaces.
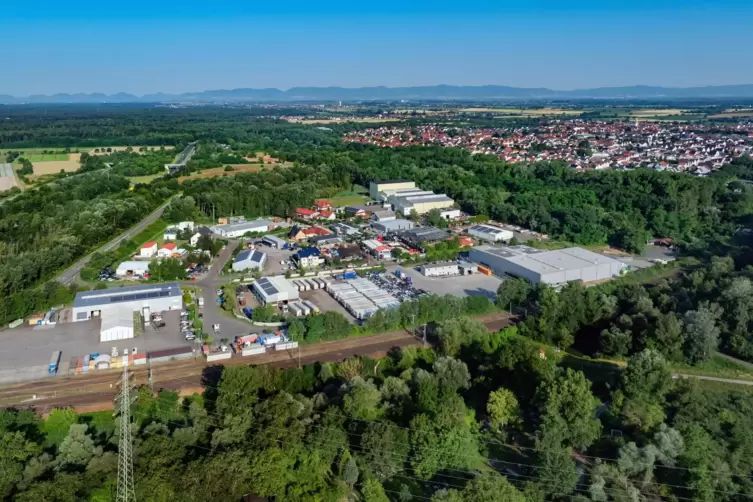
{"x":96,"y":390}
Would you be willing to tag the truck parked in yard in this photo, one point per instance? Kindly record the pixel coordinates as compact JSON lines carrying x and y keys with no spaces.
{"x":201,"y":302}
{"x":54,"y":361}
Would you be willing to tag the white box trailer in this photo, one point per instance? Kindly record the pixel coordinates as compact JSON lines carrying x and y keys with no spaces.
{"x":295,"y":309}
{"x":303,"y":285}
{"x":253,"y":350}
{"x":320,"y":282}
{"x":218,"y":356}
{"x":304,"y":308}
{"x":312,"y":306}
{"x":286,"y":346}
{"x":312,"y":284}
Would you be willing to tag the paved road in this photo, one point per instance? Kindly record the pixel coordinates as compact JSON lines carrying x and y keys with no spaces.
{"x":72,"y":273}
{"x":230,"y":327}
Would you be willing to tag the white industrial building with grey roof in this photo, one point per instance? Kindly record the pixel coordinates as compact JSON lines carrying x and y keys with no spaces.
{"x":550,"y":267}
{"x":270,"y":290}
{"x":489,"y":233}
{"x":116,"y":306}
{"x":249,"y":260}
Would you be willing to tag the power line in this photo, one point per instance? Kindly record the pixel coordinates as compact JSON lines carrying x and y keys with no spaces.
{"x":126,"y":491}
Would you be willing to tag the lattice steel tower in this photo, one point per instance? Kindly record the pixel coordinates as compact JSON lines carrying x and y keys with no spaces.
{"x":126,"y":492}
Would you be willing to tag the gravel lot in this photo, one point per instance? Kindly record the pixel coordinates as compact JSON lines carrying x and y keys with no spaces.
{"x":273,"y":267}
{"x":466,"y":285}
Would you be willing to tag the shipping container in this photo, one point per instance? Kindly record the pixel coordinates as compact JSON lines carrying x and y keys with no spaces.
{"x":350,"y":275}
{"x":85,"y":364}
{"x":254,"y":350}
{"x":169,"y":354}
{"x":286,"y":346}
{"x":219,"y":356}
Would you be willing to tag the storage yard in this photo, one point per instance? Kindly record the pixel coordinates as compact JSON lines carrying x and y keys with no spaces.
{"x":476,"y":284}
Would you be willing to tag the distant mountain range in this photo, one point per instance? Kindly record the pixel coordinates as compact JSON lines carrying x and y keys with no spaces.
{"x":436,"y":92}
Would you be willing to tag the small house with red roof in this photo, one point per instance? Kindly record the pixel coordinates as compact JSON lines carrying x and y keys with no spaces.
{"x":167,"y":250}
{"x":148,"y":250}
{"x":314,"y":231}
{"x":323,"y":205}
{"x":327,"y":215}
{"x":306,"y":213}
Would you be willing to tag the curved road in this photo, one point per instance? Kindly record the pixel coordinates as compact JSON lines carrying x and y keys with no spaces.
{"x":72,"y":273}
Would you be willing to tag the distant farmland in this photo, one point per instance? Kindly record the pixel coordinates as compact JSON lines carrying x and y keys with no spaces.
{"x":523,"y":112}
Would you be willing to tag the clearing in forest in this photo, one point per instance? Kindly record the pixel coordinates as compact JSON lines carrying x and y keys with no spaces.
{"x":237,"y":169}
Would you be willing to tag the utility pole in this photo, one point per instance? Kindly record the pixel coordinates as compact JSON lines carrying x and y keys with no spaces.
{"x":299,"y":356}
{"x":126,"y":492}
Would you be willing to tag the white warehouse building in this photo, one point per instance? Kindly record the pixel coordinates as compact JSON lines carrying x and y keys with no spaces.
{"x":116,"y":306}
{"x":249,"y":260}
{"x":270,"y":290}
{"x":489,"y":233}
{"x":440,"y":269}
{"x":550,"y":267}
{"x":241,"y":228}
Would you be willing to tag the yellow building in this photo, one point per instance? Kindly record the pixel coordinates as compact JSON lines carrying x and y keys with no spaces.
{"x":379,"y":186}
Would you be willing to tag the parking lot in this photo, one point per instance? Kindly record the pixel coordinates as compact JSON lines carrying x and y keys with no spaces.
{"x":395,"y":286}
{"x":26,"y":350}
{"x":465,"y":285}
{"x":274,"y":256}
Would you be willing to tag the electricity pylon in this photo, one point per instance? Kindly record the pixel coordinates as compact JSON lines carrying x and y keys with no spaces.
{"x":126,"y":492}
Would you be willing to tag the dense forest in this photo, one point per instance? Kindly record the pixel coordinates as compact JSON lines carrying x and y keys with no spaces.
{"x":492,"y":418}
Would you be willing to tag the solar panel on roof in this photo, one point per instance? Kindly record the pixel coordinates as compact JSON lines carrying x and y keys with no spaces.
{"x":115,"y":299}
{"x":164,"y":293}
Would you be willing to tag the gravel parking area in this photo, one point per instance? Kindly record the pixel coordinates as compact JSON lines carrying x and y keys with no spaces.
{"x":466,"y":285}
{"x":26,"y":351}
{"x":274,"y":256}
{"x":326,"y":303}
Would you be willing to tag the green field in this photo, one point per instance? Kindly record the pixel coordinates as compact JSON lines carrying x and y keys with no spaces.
{"x":144,"y":179}
{"x":358,"y":195}
{"x":44,"y":157}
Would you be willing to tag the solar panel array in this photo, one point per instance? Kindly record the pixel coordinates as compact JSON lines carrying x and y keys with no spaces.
{"x":267,"y":286}
{"x":138,"y":296}
{"x":485,"y":229}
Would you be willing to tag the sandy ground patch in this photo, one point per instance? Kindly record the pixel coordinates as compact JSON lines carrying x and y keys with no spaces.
{"x":54,"y":167}
{"x":268,"y":159}
{"x":239,"y":168}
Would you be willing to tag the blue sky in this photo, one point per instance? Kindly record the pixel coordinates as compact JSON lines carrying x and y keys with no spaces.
{"x":49,"y":46}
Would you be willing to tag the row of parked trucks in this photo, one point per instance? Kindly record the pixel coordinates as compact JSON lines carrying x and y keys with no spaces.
{"x":302,"y":308}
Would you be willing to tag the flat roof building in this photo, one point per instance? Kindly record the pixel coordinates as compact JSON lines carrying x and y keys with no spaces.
{"x":385,"y":227}
{"x":380,"y":185}
{"x":550,"y":267}
{"x":270,"y":290}
{"x":421,"y":204}
{"x":489,"y":233}
{"x":132,"y":268}
{"x":439,"y":269}
{"x":241,"y":228}
{"x":249,"y":260}
{"x":425,"y":234}
{"x":115,"y":304}
{"x":274,"y":241}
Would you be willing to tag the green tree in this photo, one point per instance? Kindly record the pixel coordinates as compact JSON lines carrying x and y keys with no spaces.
{"x":502,"y":407}
{"x":701,"y":335}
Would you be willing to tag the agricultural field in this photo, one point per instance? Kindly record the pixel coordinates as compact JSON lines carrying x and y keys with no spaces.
{"x":732,"y":113}
{"x":523,"y":112}
{"x":54,"y":167}
{"x":657,"y":112}
{"x":369,"y":120}
{"x":143,"y":179}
